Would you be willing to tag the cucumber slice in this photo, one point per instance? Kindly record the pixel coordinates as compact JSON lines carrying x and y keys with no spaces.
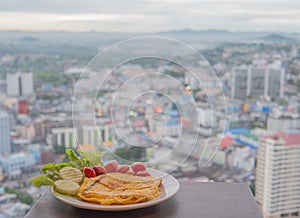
{"x":66,"y":187}
{"x":72,"y":174}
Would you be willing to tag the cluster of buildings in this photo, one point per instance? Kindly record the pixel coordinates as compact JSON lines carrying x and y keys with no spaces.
{"x":19,"y":152}
{"x":259,"y":144}
{"x":14,"y":164}
{"x":280,"y":120}
{"x":259,"y":78}
{"x":263,"y":133}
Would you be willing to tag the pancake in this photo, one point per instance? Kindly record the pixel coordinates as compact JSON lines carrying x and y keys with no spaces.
{"x":119,"y":188}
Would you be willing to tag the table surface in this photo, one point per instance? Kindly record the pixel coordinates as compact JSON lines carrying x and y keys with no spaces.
{"x":207,"y":200}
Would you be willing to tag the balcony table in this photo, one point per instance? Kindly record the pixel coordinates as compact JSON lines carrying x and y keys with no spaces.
{"x":194,"y":200}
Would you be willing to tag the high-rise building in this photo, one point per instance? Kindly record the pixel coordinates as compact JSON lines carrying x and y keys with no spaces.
{"x":19,"y":84}
{"x":239,"y":82}
{"x":13,"y":87}
{"x":4,"y":133}
{"x":278,"y":176}
{"x":255,"y":80}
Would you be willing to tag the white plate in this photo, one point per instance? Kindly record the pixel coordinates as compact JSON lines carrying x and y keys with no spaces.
{"x":170,"y":186}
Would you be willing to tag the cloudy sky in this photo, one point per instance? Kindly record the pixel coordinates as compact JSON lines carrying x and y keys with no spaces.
{"x":150,"y":15}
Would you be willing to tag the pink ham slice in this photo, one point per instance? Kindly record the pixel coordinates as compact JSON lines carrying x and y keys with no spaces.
{"x":123,"y":168}
{"x":111,"y":166}
{"x":138,"y":166}
{"x":142,"y":173}
{"x":99,"y":170}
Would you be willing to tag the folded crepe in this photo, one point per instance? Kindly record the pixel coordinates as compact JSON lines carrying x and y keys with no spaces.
{"x":119,"y":188}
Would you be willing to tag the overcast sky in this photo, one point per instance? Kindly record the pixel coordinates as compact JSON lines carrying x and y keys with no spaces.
{"x":150,"y":15}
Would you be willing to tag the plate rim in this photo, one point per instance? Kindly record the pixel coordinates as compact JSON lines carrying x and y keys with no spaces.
{"x":94,"y":206}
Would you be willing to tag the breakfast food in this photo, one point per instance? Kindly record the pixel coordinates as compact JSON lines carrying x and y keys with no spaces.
{"x":72,"y":174}
{"x":119,"y":188}
{"x":111,"y":166}
{"x":89,"y":172}
{"x":87,"y":177}
{"x":142,"y":173}
{"x":99,"y":170}
{"x":137,"y":166}
{"x":66,"y":187}
{"x":123,"y":168}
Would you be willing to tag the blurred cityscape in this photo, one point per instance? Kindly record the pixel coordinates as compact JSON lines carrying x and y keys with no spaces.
{"x":260,"y":77}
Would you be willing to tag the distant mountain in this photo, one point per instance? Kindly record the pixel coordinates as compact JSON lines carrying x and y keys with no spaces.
{"x":29,"y":38}
{"x":277,"y":38}
{"x":59,"y":42}
{"x":189,"y":31}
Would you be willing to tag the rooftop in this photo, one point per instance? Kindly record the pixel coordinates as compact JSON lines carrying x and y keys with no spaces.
{"x":291,"y":137}
{"x":16,"y":156}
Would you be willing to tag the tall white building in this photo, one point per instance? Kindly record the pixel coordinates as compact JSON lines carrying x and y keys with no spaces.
{"x":4,"y":133}
{"x":255,"y":80}
{"x":19,"y":84}
{"x":278,"y":175}
{"x":239,"y":78}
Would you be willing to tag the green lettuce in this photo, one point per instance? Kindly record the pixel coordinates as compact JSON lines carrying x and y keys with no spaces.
{"x":50,"y":171}
{"x":41,"y":180}
{"x":86,"y":159}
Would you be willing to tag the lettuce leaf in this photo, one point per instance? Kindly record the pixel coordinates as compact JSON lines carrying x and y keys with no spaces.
{"x":50,"y":171}
{"x":41,"y":180}
{"x":93,"y":158}
{"x":87,"y":159}
{"x":46,"y":167}
{"x":63,"y":164}
{"x":74,"y":159}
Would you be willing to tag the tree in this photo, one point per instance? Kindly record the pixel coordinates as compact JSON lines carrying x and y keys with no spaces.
{"x":21,"y":196}
{"x":133,"y":153}
{"x":60,"y":149}
{"x":282,"y":101}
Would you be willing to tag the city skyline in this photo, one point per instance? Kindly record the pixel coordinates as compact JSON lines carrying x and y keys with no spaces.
{"x":205,"y":91}
{"x":150,"y":16}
